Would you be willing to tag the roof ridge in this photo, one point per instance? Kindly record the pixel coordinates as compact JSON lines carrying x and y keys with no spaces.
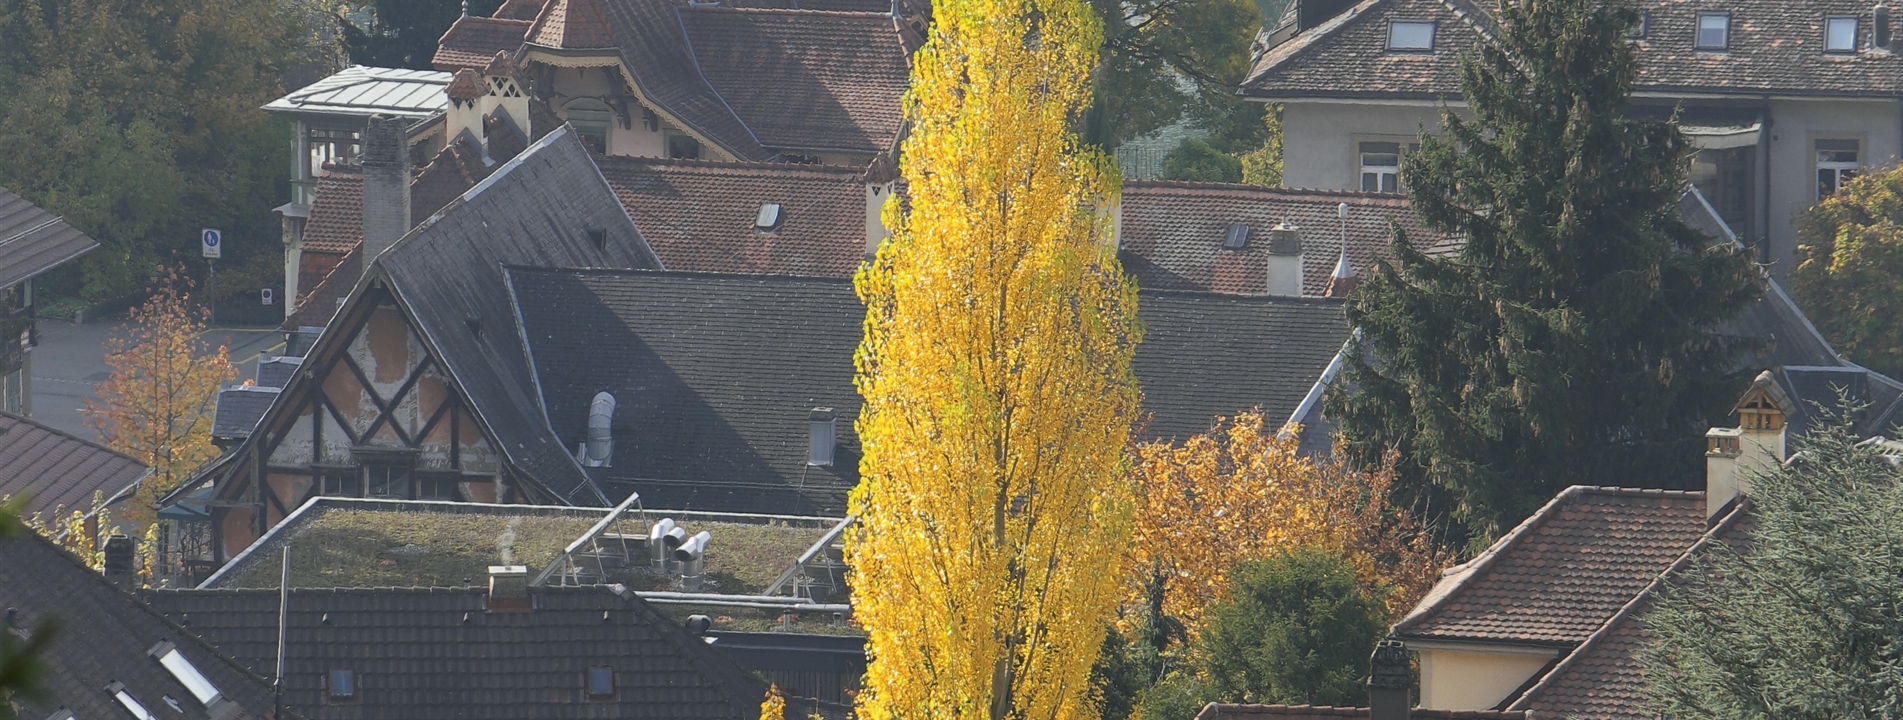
{"x":632,"y":272}
{"x":1305,"y":40}
{"x":782,"y":167}
{"x":1631,"y":607}
{"x":1485,"y":560}
{"x":715,"y":9}
{"x":1385,"y":198}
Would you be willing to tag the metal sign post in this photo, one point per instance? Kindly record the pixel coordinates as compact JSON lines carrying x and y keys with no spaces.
{"x":212,"y":243}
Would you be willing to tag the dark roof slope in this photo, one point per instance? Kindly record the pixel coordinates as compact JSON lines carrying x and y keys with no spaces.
{"x":104,"y":637}
{"x":805,"y":79}
{"x":473,"y":41}
{"x":1563,"y":572}
{"x":1172,"y":233}
{"x":655,"y":51}
{"x":699,"y":215}
{"x":436,"y":653}
{"x":1246,"y":711}
{"x":714,"y":378}
{"x":33,"y":241}
{"x":1775,"y":46}
{"x":239,"y":409}
{"x":59,"y":469}
{"x":1206,"y":355}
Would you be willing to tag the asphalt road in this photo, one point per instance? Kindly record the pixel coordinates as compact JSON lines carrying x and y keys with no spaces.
{"x":71,"y":359}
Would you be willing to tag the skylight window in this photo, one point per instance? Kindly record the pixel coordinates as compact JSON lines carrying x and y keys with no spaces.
{"x":1411,"y":35}
{"x":342,"y":686}
{"x":1236,"y":238}
{"x":601,"y":681}
{"x":187,"y":674}
{"x":822,"y":437}
{"x":1840,"y":35}
{"x":1714,"y":31}
{"x":768,"y":218}
{"x":131,"y":704}
{"x":1637,"y":30}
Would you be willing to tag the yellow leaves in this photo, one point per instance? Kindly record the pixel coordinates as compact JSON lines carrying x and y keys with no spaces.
{"x":993,"y":501}
{"x":1239,"y":493}
{"x":774,"y":708}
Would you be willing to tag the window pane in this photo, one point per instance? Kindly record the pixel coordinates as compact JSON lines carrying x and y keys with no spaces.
{"x":1826,"y":183}
{"x":1380,"y":147}
{"x":1840,"y":34}
{"x":601,"y":681}
{"x":1389,"y":160}
{"x":1388,"y":182}
{"x":1712,"y":30}
{"x":342,"y":684}
{"x":1370,"y":182}
{"x":1411,"y":36}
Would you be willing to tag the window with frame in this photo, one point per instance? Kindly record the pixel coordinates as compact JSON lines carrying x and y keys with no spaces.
{"x":1381,"y":165}
{"x":13,"y":392}
{"x":601,"y":681}
{"x":1837,"y":163}
{"x":591,"y":119}
{"x":340,"y":686}
{"x":1714,"y":31}
{"x":437,"y":487}
{"x":1840,"y":34}
{"x":1639,"y":25}
{"x":1411,"y":35}
{"x":339,"y":483}
{"x":386,"y":480}
{"x":682,"y":147}
{"x":339,"y":146}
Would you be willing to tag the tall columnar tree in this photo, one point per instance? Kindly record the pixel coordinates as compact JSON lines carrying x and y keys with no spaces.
{"x":1850,"y":269}
{"x":994,"y":506}
{"x":1800,"y":618}
{"x":1571,"y":339}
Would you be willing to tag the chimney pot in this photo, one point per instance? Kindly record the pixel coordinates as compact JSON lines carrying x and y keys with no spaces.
{"x":1390,"y":682}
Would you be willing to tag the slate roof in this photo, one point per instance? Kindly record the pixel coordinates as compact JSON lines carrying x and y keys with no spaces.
{"x":1563,"y":572}
{"x":33,"y":241}
{"x":104,"y":637}
{"x":239,"y":409}
{"x":275,"y":372}
{"x":1171,"y":233}
{"x":805,"y":79}
{"x":59,"y":469}
{"x":714,"y":376}
{"x":1776,"y":46}
{"x":699,"y":215}
{"x":436,"y":653}
{"x":1602,"y":679}
{"x":472,"y":41}
{"x":1247,"y":711}
{"x":361,"y":91}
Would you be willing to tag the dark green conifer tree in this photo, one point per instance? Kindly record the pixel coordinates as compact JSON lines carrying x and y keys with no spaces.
{"x":1571,"y":340}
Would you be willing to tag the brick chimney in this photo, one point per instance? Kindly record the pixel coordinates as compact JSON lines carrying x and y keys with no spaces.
{"x":1757,"y":444}
{"x":121,"y":561}
{"x":1285,"y":260}
{"x":386,"y":184}
{"x":1390,"y":682}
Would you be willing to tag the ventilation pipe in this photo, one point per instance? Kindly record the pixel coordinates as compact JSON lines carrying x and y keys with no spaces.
{"x":658,"y":541}
{"x":692,"y":556}
{"x":599,"y":449}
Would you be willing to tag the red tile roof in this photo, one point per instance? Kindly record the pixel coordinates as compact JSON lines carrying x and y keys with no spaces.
{"x":336,"y":221}
{"x":1242,"y":711}
{"x":571,"y":25}
{"x":699,"y":215}
{"x":58,"y":469}
{"x":520,"y":9}
{"x":1172,"y":233}
{"x":472,"y":41}
{"x":1559,"y":576}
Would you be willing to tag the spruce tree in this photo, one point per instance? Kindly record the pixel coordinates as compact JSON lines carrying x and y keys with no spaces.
{"x":1571,"y":338}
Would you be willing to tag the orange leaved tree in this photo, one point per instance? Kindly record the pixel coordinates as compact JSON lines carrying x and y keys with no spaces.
{"x":994,"y":501}
{"x":157,"y":404}
{"x":1240,"y":493}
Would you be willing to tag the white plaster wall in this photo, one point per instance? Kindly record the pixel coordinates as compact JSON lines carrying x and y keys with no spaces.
{"x":1317,"y":138}
{"x":1452,"y":680}
{"x":1795,"y":125}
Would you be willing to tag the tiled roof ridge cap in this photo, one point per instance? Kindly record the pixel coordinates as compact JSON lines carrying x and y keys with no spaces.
{"x":488,"y":19}
{"x":1631,"y":607}
{"x":1640,"y":492}
{"x":722,"y":8}
{"x":1379,"y":198}
{"x":1254,"y":299}
{"x":75,"y":438}
{"x":640,"y":272}
{"x":1349,"y":711}
{"x":777,"y":167}
{"x":1479,"y":566}
{"x":332,"y":167}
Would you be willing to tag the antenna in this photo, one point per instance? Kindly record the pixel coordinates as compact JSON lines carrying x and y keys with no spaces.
{"x":284,"y":606}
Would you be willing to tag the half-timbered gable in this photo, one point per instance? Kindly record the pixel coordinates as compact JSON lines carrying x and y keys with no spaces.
{"x":420,"y":387}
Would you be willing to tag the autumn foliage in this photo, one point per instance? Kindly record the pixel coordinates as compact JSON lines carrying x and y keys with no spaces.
{"x":1240,"y":493}
{"x":156,"y":405}
{"x":1849,"y":269}
{"x":994,"y":501}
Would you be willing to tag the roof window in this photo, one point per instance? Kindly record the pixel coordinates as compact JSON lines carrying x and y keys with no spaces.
{"x":598,"y":237}
{"x":1411,"y":35}
{"x":341,"y":686}
{"x":1714,"y":31}
{"x":601,"y":681}
{"x":1639,"y":25}
{"x":1236,"y":238}
{"x":823,"y":436}
{"x":187,"y":674}
{"x":768,"y":218}
{"x":131,"y":704}
{"x":1840,"y":34}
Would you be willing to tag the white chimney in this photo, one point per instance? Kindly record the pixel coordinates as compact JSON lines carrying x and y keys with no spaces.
{"x":1285,"y":260}
{"x":386,"y":184}
{"x":509,"y":588}
{"x":1756,"y":445}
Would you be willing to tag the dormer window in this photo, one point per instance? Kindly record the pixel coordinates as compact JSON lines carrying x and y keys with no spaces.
{"x":1840,"y":34}
{"x":1714,"y":31}
{"x":1411,"y":35}
{"x":1637,"y":30}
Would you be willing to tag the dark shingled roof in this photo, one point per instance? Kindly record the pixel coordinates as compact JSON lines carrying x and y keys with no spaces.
{"x":1172,"y":233}
{"x":239,"y":409}
{"x":1776,"y":47}
{"x":275,"y":372}
{"x":805,"y":79}
{"x":59,"y":469}
{"x":105,"y":636}
{"x":472,"y":41}
{"x":714,"y":376}
{"x":699,"y":215}
{"x":436,"y":653}
{"x":1243,"y":711}
{"x":1563,"y":572}
{"x":33,"y":241}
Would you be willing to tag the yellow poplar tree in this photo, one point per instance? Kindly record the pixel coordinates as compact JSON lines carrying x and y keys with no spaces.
{"x":994,"y":500}
{"x":1240,"y":493}
{"x":157,"y":404}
